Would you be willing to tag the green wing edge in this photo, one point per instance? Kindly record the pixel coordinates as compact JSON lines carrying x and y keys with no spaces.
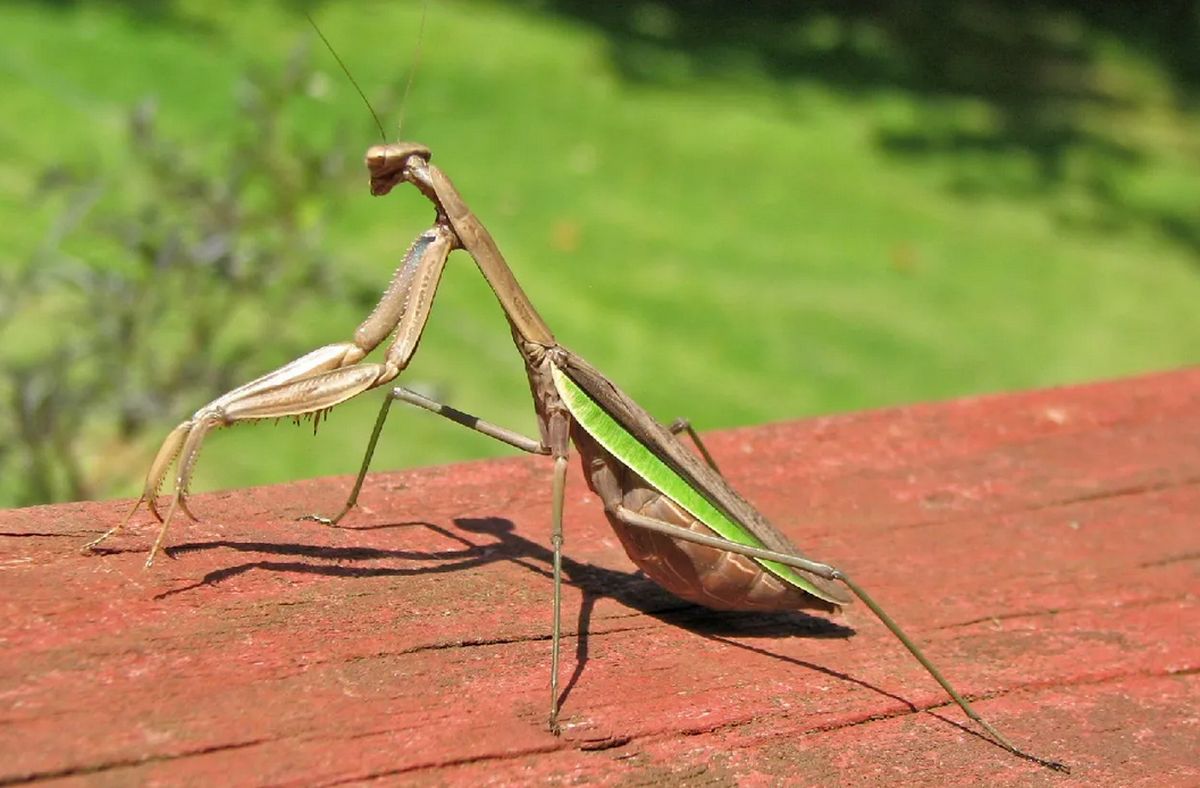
{"x":626,"y":448}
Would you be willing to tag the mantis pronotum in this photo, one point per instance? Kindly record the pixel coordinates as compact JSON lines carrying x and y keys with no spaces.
{"x":676,"y":516}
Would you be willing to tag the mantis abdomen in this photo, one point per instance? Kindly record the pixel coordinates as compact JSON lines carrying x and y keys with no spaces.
{"x":708,"y":576}
{"x":650,"y":476}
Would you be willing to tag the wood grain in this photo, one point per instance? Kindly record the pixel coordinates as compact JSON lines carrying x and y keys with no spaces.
{"x":1043,"y":546}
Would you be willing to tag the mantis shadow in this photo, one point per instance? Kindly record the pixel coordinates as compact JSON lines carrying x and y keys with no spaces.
{"x":631,"y":589}
{"x":635,"y":591}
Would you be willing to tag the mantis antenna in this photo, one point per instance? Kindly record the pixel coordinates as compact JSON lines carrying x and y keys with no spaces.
{"x":412,"y":71}
{"x":416,"y":63}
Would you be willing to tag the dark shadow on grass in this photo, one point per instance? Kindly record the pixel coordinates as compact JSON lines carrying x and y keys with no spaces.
{"x":996,"y":98}
{"x":1010,"y":99}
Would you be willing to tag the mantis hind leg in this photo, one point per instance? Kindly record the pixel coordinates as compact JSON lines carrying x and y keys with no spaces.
{"x":832,"y":573}
{"x":684,"y":425}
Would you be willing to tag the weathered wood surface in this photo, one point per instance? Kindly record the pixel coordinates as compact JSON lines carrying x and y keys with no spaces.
{"x":1043,"y":546}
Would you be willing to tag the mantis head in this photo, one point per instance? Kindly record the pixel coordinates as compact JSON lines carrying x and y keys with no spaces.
{"x":388,"y":164}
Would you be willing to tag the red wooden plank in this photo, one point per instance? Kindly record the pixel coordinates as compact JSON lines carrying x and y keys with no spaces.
{"x":1042,"y":545}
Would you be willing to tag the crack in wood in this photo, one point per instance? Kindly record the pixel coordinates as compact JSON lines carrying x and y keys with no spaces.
{"x":125,"y":763}
{"x":1058,"y":611}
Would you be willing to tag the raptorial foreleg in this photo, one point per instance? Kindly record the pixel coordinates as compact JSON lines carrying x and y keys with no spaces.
{"x":313,"y":383}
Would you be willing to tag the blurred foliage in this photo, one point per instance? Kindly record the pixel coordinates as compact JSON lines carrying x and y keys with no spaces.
{"x":215,"y":241}
{"x":740,"y":211}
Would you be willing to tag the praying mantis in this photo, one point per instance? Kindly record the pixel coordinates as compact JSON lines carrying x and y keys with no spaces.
{"x":677,"y":517}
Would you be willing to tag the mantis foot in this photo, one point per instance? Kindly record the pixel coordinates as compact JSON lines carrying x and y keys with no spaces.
{"x":317,"y":518}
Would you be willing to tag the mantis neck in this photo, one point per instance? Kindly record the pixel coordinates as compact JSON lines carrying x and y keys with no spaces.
{"x":526,"y":322}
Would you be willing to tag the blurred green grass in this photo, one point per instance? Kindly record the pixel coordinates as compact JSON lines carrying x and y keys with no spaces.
{"x":727,"y":243}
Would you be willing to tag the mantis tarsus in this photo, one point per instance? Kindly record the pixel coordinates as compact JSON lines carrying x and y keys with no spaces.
{"x":675,"y":514}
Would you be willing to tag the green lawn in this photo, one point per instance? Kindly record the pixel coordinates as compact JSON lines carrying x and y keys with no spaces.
{"x":730,"y":240}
